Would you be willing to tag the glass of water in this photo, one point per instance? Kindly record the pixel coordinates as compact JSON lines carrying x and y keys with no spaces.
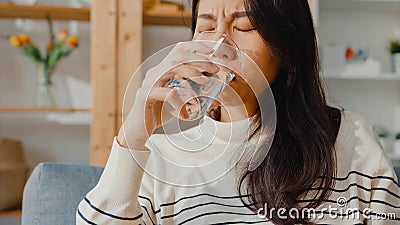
{"x":197,"y":98}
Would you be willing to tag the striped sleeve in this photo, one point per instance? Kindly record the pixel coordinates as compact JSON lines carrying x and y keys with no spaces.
{"x":384,"y":207}
{"x":114,"y":200}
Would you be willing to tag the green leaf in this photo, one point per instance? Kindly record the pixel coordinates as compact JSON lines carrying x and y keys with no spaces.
{"x":394,"y":46}
{"x":32,"y":52}
{"x":37,"y":54}
{"x":54,"y":57}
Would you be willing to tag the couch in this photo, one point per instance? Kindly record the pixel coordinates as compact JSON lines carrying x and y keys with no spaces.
{"x":53,"y":191}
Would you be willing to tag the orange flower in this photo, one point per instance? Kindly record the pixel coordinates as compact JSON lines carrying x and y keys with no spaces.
{"x":73,"y":41}
{"x":49,"y":47}
{"x":24,"y":39}
{"x":349,"y":53}
{"x":14,"y":41}
{"x":62,"y":35}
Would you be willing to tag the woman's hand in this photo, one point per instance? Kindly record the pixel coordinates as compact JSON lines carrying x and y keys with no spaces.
{"x":142,"y":118}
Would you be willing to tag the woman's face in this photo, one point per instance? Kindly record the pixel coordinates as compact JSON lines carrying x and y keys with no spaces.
{"x":229,"y":17}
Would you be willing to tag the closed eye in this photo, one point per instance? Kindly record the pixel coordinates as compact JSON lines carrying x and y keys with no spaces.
{"x":210,"y":29}
{"x":202,"y":29}
{"x":244,"y":30}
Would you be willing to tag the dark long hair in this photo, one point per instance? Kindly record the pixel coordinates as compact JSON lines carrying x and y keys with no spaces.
{"x":302,"y":155}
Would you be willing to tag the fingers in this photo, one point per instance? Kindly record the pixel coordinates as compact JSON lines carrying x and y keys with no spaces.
{"x":179,"y":103}
{"x":195,"y":47}
{"x":185,"y":57}
{"x":188,"y":72}
{"x":185,"y":52}
{"x":187,"y":61}
{"x":194,"y":54}
{"x":193,"y":71}
{"x":209,"y":67}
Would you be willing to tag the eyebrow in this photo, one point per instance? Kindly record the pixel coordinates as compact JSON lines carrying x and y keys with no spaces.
{"x":209,"y":16}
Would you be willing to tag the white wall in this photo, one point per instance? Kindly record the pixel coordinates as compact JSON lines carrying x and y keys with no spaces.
{"x":362,"y":24}
{"x":158,"y":37}
{"x":372,"y":29}
{"x":358,"y":24}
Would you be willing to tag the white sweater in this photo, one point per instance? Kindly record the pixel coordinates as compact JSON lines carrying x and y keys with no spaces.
{"x":193,"y":181}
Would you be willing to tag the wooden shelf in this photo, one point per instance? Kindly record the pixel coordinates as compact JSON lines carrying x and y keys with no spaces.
{"x":17,"y":212}
{"x":40,"y":12}
{"x":12,"y":11}
{"x":40,"y":110}
{"x":167,"y":19}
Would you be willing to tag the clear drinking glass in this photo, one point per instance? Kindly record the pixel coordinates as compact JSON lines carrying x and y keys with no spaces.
{"x":198,"y":98}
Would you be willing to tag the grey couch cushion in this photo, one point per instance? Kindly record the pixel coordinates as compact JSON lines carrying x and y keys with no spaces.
{"x":53,"y":191}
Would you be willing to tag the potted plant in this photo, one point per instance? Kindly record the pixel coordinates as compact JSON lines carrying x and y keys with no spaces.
{"x":394,"y":48}
{"x":60,"y":46}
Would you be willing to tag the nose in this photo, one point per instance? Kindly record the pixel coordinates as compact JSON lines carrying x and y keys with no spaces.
{"x":224,"y":27}
{"x":224,"y":47}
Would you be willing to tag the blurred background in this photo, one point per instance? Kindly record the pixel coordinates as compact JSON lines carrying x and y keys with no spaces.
{"x":64,"y":105}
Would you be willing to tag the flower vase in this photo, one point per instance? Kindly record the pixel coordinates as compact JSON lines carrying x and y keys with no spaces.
{"x":396,"y":63}
{"x":44,"y":92}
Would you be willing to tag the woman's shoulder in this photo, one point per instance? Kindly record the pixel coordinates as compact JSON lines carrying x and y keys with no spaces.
{"x":349,"y":116}
{"x":356,"y":131}
{"x":358,"y":148}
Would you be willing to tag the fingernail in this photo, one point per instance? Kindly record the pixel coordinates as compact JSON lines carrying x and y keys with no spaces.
{"x":204,"y":79}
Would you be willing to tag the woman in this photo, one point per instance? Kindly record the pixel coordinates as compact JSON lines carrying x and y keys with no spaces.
{"x":321,"y":158}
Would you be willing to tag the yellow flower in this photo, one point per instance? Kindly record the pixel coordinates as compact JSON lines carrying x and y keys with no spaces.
{"x":14,"y":41}
{"x":73,"y":41}
{"x":24,"y":39}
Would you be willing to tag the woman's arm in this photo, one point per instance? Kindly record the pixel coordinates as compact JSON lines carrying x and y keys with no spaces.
{"x":114,"y":200}
{"x":384,"y":204}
